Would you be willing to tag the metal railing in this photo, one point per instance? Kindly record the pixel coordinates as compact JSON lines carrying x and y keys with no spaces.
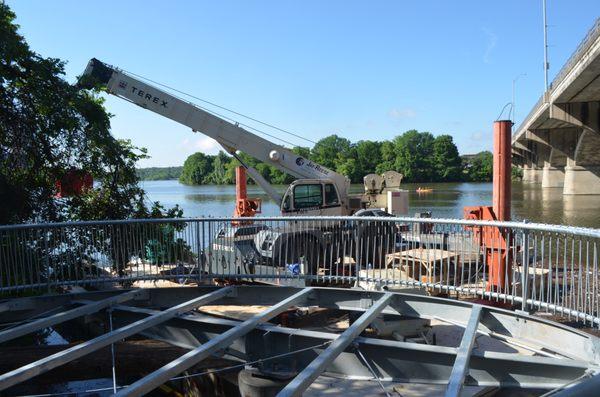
{"x":590,"y":38}
{"x":531,"y":266}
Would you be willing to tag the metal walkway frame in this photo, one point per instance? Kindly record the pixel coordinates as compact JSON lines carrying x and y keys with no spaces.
{"x":556,"y":356}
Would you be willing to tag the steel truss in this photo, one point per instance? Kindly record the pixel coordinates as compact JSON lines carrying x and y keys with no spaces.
{"x":556,"y":355}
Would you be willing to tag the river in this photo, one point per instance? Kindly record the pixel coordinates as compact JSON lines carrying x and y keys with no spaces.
{"x":446,"y":201}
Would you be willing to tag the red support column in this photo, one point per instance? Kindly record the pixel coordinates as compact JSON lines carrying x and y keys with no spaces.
{"x":502,"y":170}
{"x":244,"y":206}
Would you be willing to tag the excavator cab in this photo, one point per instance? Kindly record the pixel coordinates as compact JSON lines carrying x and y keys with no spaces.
{"x":316,"y":197}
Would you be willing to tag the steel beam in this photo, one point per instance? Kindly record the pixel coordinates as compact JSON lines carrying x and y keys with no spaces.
{"x":308,"y":375}
{"x":160,"y":376}
{"x":61,"y":317}
{"x":28,"y":371}
{"x":395,"y":361}
{"x":463,"y":356}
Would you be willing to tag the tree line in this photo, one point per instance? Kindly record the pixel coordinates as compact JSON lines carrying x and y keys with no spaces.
{"x":159,"y":173}
{"x":419,"y":156}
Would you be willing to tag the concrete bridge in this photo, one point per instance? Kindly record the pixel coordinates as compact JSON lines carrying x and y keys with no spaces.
{"x":558,"y":143}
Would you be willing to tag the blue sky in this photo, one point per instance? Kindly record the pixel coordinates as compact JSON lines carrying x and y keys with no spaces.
{"x":362,"y":70}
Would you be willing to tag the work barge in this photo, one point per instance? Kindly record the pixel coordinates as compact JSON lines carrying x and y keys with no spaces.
{"x":414,"y":313}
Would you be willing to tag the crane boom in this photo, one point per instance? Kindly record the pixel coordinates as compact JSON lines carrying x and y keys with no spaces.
{"x":230,"y":135}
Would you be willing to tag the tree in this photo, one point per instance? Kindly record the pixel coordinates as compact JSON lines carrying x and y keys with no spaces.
{"x":479,"y":168}
{"x":159,"y":173}
{"x":330,"y":151}
{"x":218,"y":175}
{"x":302,"y":151}
{"x":49,"y":129}
{"x":196,"y":169}
{"x":414,"y":155}
{"x":368,"y":157}
{"x":446,"y":160}
{"x":387,"y":153}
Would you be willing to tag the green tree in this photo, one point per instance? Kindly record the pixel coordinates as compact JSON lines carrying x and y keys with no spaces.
{"x":159,"y":173}
{"x":196,"y":169}
{"x":218,"y":175}
{"x":479,"y":168}
{"x":48,"y":129}
{"x":331,"y":151}
{"x":387,"y":153}
{"x":516,"y":173}
{"x":302,"y":151}
{"x":414,"y":152}
{"x":446,"y":160}
{"x":368,"y":157}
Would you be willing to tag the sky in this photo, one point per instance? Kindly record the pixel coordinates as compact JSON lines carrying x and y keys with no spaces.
{"x":362,"y":70}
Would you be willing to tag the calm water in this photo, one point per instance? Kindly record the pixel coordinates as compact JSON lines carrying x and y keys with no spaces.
{"x":446,"y":201}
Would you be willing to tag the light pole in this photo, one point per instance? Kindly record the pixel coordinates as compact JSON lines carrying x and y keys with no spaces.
{"x":546,"y":64}
{"x":514,"y":106}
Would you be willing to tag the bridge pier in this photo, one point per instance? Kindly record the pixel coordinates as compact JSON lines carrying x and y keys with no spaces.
{"x":582,"y":180}
{"x":553,"y":176}
{"x":532,"y":174}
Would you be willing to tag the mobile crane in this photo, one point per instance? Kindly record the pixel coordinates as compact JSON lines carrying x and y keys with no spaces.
{"x":318,"y":191}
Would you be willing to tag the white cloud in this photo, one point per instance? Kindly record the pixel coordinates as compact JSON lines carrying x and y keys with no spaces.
{"x":404,"y":113}
{"x":491,"y":43}
{"x":206,"y":145}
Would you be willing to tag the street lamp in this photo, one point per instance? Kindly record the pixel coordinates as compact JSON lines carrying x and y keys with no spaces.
{"x":514,"y":82}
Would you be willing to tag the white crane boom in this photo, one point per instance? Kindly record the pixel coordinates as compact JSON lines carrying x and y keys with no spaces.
{"x":231,"y":136}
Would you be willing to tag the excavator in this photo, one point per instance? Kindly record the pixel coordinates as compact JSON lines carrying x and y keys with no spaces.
{"x":317,"y":191}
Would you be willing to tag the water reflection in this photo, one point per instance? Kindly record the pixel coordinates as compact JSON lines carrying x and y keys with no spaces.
{"x":446,"y":200}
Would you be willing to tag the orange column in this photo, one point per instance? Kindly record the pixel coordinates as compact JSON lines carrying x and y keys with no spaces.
{"x":240,"y":183}
{"x":502,"y":170}
{"x":240,"y":191}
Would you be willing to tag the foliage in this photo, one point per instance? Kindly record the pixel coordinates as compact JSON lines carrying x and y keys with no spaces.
{"x":447,"y":164}
{"x":48,"y":129}
{"x":159,"y":173}
{"x":331,"y":151}
{"x":196,"y":169}
{"x":516,"y":173}
{"x":479,"y":168}
{"x":419,"y":156}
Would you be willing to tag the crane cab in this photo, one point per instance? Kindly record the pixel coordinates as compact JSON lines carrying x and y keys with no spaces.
{"x":312,"y":197}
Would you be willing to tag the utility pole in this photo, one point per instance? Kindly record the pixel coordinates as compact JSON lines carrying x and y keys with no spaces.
{"x":546,"y":65}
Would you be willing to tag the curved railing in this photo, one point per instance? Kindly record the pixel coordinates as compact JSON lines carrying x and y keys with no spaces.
{"x":531,"y":266}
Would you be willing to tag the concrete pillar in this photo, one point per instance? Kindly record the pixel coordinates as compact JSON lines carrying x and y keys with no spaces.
{"x":582,"y":179}
{"x":553,"y":176}
{"x":532,"y":174}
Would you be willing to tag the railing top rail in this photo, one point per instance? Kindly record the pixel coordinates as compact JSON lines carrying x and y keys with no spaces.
{"x":524,"y":225}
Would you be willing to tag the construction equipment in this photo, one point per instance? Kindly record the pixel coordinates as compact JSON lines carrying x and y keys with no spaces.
{"x":318,"y":191}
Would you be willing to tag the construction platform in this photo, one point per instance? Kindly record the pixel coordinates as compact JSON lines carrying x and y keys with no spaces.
{"x":293,"y":341}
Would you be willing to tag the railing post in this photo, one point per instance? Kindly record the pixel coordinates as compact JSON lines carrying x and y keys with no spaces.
{"x":358,"y":254}
{"x":198,"y":252}
{"x":525,"y":269}
{"x":47,"y":260}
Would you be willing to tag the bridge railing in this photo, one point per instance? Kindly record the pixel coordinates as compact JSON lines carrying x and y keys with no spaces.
{"x":529,"y":266}
{"x":591,"y":37}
